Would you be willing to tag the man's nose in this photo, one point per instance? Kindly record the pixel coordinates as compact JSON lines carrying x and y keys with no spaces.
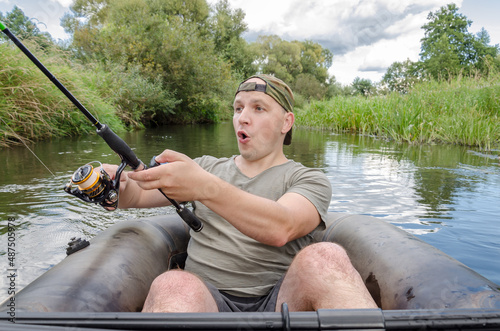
{"x":244,"y":116}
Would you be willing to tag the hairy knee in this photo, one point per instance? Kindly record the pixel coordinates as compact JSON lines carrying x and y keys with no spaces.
{"x":179,"y":291}
{"x":322,"y":276}
{"x":324,"y":251}
{"x":173,"y":280}
{"x":324,"y":255}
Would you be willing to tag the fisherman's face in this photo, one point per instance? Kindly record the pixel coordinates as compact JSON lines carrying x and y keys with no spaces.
{"x":260,"y":123}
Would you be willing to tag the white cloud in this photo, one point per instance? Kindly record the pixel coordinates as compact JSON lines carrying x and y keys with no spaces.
{"x":365,"y":36}
{"x":64,"y":3}
{"x":46,"y":14}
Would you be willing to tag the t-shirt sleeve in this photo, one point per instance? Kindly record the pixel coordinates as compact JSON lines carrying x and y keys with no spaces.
{"x":205,"y":161}
{"x":314,"y":186}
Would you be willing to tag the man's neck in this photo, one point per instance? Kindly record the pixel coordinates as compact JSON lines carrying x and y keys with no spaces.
{"x":252,"y":168}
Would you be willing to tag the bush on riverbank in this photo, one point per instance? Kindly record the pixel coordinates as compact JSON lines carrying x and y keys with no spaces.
{"x":33,"y":108}
{"x":463,"y":111}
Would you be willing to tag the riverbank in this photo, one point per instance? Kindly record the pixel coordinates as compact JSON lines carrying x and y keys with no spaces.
{"x":32,"y":108}
{"x":465,"y":111}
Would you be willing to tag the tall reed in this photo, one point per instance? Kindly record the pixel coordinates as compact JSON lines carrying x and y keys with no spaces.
{"x":32,"y":108}
{"x":463,"y":111}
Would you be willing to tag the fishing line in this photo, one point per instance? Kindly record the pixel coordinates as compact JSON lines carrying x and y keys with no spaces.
{"x":22,"y":141}
{"x":128,"y":157}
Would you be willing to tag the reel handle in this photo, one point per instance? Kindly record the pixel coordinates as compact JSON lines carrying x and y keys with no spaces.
{"x":187,"y":215}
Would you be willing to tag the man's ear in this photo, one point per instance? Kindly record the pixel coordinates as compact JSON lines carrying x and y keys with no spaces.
{"x":288,"y":122}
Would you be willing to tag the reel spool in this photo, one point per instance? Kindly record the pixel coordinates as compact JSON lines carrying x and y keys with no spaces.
{"x":88,"y":180}
{"x":93,"y":186}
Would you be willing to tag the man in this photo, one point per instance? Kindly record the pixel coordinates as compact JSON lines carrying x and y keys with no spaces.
{"x":259,"y":209}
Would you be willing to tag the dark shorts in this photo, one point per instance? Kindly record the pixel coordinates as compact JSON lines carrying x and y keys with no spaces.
{"x":230,"y":303}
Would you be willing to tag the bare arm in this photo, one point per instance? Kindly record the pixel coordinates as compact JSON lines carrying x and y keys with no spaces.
{"x":270,"y":222}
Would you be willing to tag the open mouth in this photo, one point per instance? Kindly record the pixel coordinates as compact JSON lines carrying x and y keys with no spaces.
{"x":243,"y":136}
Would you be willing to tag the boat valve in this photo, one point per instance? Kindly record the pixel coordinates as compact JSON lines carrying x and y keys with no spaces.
{"x":75,"y":245}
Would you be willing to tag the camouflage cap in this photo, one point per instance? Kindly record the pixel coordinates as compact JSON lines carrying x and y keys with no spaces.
{"x":276,"y":89}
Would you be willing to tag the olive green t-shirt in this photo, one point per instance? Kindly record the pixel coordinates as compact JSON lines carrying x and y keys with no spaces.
{"x":234,"y":262}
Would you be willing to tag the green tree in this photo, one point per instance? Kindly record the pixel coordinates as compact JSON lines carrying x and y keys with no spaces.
{"x":227,"y":26}
{"x":278,"y":57}
{"x":308,"y":86}
{"x":489,"y":59}
{"x":448,"y":48}
{"x":337,"y":89}
{"x":23,"y":27}
{"x":316,"y":60}
{"x":363,"y":86}
{"x":402,"y":76}
{"x":169,"y":40}
{"x":303,"y":65}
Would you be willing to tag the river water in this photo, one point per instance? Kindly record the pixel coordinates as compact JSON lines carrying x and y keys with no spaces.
{"x":449,"y":196}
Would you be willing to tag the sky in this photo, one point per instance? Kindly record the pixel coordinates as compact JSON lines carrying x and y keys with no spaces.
{"x":365,"y":36}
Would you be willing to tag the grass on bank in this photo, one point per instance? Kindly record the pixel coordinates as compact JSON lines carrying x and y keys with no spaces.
{"x":464,"y":111}
{"x":33,"y":108}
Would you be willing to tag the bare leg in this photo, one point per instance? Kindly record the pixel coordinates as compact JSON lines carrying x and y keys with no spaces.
{"x":179,"y":291}
{"x":322,"y":276}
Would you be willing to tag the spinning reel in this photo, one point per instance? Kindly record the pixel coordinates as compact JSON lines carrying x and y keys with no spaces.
{"x":95,"y":186}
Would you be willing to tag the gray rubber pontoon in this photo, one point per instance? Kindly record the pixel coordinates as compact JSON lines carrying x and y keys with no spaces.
{"x":114,"y":272}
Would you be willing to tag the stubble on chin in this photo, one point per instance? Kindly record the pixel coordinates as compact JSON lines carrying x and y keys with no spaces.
{"x":248,"y":154}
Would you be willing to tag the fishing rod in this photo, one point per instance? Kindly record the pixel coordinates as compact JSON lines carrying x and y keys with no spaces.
{"x":97,"y":186}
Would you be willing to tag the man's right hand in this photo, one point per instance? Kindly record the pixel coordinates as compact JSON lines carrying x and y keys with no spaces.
{"x":133,"y":196}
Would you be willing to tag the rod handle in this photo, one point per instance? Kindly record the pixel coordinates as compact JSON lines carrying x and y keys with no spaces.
{"x":190,"y":218}
{"x":120,"y":147}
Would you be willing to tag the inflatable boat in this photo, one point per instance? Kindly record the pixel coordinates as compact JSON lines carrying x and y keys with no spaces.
{"x":105,"y":284}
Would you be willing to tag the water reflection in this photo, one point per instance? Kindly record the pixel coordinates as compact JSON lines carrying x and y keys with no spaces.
{"x":448,"y":195}
{"x":369,"y":177}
